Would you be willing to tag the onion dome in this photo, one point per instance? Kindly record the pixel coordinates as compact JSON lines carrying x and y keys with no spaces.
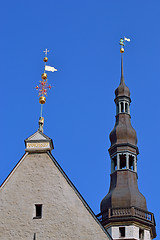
{"x":123,"y":132}
{"x":123,"y":192}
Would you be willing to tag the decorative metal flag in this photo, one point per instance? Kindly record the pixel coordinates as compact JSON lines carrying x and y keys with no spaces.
{"x":127,"y":39}
{"x":50,"y":69}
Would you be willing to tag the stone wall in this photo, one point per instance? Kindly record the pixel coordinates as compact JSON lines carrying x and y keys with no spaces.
{"x":37,"y":180}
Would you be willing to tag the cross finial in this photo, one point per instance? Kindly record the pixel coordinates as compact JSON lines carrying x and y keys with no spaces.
{"x":43,"y":87}
{"x":45,"y":52}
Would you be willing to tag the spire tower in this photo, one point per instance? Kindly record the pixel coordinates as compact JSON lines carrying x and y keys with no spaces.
{"x":123,"y":210}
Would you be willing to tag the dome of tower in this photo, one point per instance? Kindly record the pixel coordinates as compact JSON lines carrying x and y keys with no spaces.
{"x":122,"y":90}
{"x":123,"y":192}
{"x":123,"y":132}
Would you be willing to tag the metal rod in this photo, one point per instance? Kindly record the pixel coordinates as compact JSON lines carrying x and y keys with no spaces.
{"x":41,"y":109}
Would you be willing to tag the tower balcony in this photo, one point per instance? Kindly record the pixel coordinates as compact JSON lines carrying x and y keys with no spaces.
{"x":133,"y":214}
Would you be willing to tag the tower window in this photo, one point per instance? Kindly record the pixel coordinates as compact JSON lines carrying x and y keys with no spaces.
{"x":141,"y":233}
{"x":122,"y":107}
{"x":122,"y":231}
{"x":122,"y":161}
{"x":115,"y":163}
{"x":117,"y":108}
{"x":126,"y":107}
{"x":38,"y":210}
{"x":131,"y":160}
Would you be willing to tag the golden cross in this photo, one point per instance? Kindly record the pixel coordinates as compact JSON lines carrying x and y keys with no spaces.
{"x":46,"y":51}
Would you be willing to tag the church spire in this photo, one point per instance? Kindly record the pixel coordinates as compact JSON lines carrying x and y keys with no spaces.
{"x":124,"y":206}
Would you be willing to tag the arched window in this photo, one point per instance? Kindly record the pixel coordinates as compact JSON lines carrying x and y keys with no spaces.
{"x":126,"y":107}
{"x":117,"y":108}
{"x":131,"y":161}
{"x":122,"y":107}
{"x":122,"y":161}
{"x":115,"y":163}
{"x":141,"y":233}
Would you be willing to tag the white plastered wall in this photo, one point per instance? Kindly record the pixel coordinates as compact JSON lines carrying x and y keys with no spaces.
{"x":131,"y":232}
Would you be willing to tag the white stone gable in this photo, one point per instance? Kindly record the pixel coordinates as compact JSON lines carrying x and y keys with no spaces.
{"x":38,"y":142}
{"x":39,"y":180}
{"x":38,"y":136}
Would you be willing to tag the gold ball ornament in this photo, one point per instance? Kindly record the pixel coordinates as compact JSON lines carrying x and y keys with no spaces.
{"x":42,"y":100}
{"x":122,"y":50}
{"x":44,"y":76}
{"x":45,"y":59}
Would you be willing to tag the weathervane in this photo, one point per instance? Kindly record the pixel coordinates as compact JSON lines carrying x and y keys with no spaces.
{"x":122,"y":43}
{"x":43,"y":87}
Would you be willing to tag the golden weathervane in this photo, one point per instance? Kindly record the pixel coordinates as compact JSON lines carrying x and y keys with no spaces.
{"x":43,"y":87}
{"x":122,"y":43}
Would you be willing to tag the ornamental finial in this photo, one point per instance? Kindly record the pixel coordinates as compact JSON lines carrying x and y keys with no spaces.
{"x":43,"y":87}
{"x":122,"y":43}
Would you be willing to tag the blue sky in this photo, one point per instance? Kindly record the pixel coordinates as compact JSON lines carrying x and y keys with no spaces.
{"x":83,"y":39}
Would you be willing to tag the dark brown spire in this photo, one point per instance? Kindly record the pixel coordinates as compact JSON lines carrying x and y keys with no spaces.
{"x":123,"y":152}
{"x":122,"y":90}
{"x":124,"y":203}
{"x":122,"y":76}
{"x":123,"y":132}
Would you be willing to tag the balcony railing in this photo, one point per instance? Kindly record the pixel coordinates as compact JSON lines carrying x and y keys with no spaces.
{"x":131,"y":211}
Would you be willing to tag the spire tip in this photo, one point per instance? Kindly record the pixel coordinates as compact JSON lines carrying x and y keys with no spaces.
{"x":122,"y":76}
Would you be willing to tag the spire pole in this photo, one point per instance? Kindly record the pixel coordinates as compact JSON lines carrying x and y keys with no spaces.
{"x":43,"y":88}
{"x":122,"y":76}
{"x":122,"y":51}
{"x":121,"y":64}
{"x":122,"y":44}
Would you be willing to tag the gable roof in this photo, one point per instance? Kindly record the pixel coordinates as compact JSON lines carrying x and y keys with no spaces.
{"x":68,"y":181}
{"x":38,"y":142}
{"x":36,"y":137}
